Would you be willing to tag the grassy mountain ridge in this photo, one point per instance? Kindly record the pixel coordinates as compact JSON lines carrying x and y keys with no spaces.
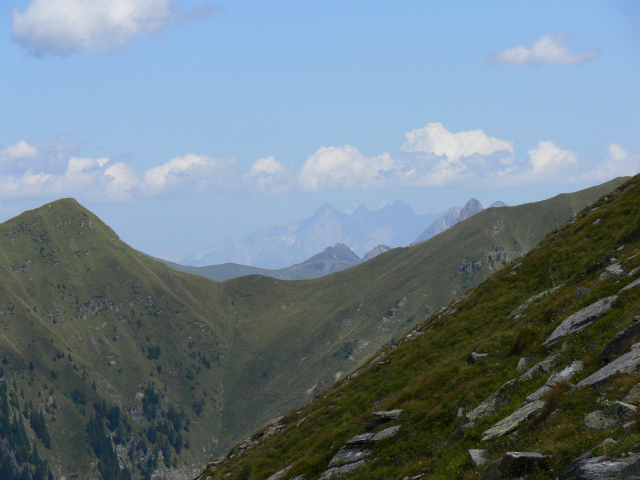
{"x":135,"y":365}
{"x":332,"y":259}
{"x":429,"y":375}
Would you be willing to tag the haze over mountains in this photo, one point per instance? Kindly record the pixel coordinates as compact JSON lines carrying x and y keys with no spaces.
{"x":363,"y":230}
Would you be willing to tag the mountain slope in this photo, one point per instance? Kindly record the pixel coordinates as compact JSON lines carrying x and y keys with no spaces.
{"x":127,"y":363}
{"x":450,"y":218}
{"x":431,"y":386}
{"x":279,"y":247}
{"x":332,"y":259}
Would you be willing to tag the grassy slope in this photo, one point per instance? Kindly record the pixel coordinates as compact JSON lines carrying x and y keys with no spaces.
{"x":74,"y":299}
{"x":429,"y":376}
{"x":331,"y":260}
{"x":293,"y":339}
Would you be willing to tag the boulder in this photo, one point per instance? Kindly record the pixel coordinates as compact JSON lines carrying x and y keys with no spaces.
{"x":582,"y":291}
{"x":280,"y":474}
{"x":362,"y":439}
{"x":618,"y":343}
{"x":580,"y":320}
{"x":493,"y":402}
{"x":519,"y":310}
{"x":588,"y":467}
{"x":349,"y":454}
{"x":388,"y":415}
{"x":613,"y":413}
{"x":478,"y":457}
{"x":513,"y":421}
{"x":633,"y":284}
{"x":474,"y":357}
{"x":512,"y":465}
{"x":386,"y":433}
{"x":545,"y":365}
{"x":614,"y":270}
{"x":523,"y":364}
{"x":633,"y":396}
{"x":627,"y":363}
{"x":331,"y":472}
{"x":562,"y":376}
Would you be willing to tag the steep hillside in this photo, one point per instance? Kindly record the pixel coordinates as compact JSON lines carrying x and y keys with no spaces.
{"x":332,"y":259}
{"x":542,"y":358}
{"x":114,"y":364}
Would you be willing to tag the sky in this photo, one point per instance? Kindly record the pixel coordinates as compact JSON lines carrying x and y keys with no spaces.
{"x":184,"y":123}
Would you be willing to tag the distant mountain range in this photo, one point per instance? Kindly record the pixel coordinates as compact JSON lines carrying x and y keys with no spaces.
{"x":332,"y":259}
{"x":395,"y":225}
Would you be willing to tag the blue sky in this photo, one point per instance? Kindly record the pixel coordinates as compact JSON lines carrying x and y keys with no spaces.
{"x":184,"y":123}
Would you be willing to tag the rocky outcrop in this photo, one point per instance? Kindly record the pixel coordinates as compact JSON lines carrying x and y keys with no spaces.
{"x":478,"y":457}
{"x":545,"y":365}
{"x":614,"y":413}
{"x":614,"y":270}
{"x":377,"y":250}
{"x":634,"y":395}
{"x":580,"y":320}
{"x":588,"y":467}
{"x":633,"y":284}
{"x":619,"y":342}
{"x":512,"y":465}
{"x":513,"y":421}
{"x":519,"y":310}
{"x":491,"y":404}
{"x":562,"y":376}
{"x":627,"y":363}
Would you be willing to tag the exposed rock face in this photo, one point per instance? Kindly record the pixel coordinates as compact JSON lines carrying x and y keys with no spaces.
{"x":519,"y":310}
{"x":614,"y":270}
{"x":633,"y":284}
{"x":612,"y":414}
{"x":349,"y":454}
{"x":562,"y":376}
{"x":625,"y":364}
{"x":634,"y":395}
{"x":588,"y":467}
{"x":377,"y":250}
{"x":618,"y":343}
{"x":580,"y":320}
{"x":545,"y":365}
{"x":280,"y":474}
{"x":332,"y":472}
{"x":513,"y":421}
{"x":478,"y":457}
{"x":490,"y":404}
{"x":388,"y":415}
{"x":386,"y":433}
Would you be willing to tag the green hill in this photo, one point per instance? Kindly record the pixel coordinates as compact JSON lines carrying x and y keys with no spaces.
{"x":457,"y":381}
{"x":332,"y":259}
{"x":117,"y":365}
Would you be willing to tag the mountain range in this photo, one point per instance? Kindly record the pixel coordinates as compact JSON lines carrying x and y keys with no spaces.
{"x":115,"y":365}
{"x":533,"y":373}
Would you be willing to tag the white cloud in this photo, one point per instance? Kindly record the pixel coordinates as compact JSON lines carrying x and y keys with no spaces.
{"x":618,"y":163}
{"x":267,"y":175}
{"x":547,"y":159}
{"x":434,"y":138}
{"x":344,"y":167}
{"x":550,"y":49}
{"x":61,"y":27}
{"x":20,"y":150}
{"x":200,"y":170}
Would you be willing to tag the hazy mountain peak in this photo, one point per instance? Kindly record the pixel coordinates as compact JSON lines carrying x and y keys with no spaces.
{"x":499,"y":203}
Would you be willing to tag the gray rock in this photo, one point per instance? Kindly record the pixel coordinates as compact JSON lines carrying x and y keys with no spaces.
{"x":343,"y":469}
{"x":350,"y":454}
{"x":460,"y":412}
{"x":582,"y":291}
{"x":513,"y":421}
{"x":633,"y":284}
{"x":633,"y":396}
{"x":580,"y":320}
{"x":363,"y":438}
{"x":523,"y":364}
{"x":588,"y":467}
{"x":388,"y":415}
{"x":519,"y":310}
{"x":614,"y":270}
{"x":613,"y":413}
{"x":545,"y":365}
{"x":478,"y":457}
{"x":474,"y":357}
{"x":386,"y":433}
{"x":618,"y":343}
{"x":493,"y":471}
{"x":493,"y":402}
{"x":280,"y":474}
{"x":516,"y":463}
{"x":627,"y":363}
{"x":562,"y":376}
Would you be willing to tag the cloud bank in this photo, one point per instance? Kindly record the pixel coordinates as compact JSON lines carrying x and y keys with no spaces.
{"x":62,"y":27}
{"x":550,"y":49}
{"x":430,"y":157}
